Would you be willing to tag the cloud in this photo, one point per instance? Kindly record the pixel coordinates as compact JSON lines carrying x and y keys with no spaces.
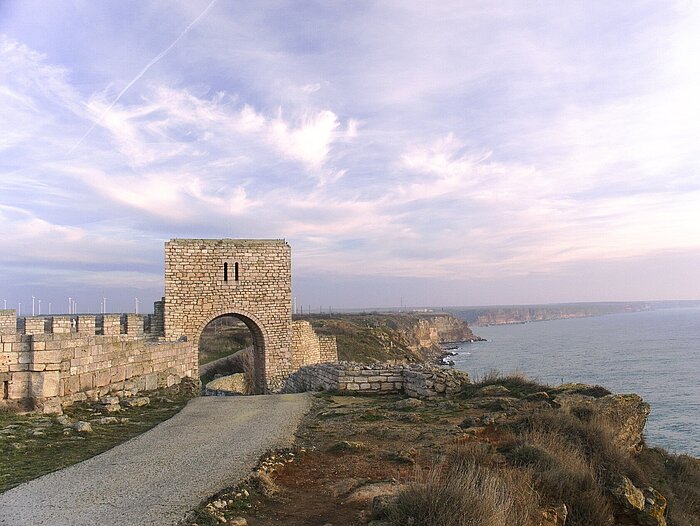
{"x":466,"y":140}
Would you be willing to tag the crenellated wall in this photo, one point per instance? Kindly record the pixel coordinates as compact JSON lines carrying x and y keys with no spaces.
{"x":55,"y":361}
{"x":49,"y":361}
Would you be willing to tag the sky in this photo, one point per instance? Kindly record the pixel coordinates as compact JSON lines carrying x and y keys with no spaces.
{"x":411,"y":153}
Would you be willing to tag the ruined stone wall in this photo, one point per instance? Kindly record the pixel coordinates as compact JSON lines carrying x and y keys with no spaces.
{"x":328,"y":348}
{"x":208,"y":278}
{"x":158,"y":319}
{"x":309,"y":348}
{"x":416,"y":380}
{"x":305,"y":345}
{"x":45,"y":370}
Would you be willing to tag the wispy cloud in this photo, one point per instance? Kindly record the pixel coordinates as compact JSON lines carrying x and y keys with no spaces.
{"x":488,"y":141}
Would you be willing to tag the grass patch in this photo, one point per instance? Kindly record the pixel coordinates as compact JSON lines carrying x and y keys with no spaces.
{"x":573,"y":460}
{"x":518,"y":384}
{"x":465,"y":494}
{"x":677,"y":477}
{"x":34,"y":445}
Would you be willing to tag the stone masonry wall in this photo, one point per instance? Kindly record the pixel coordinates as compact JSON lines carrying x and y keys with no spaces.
{"x":158,"y":319}
{"x":309,"y":348}
{"x":305,"y":346}
{"x":45,"y":370}
{"x":8,"y":321}
{"x":416,"y":380}
{"x":208,"y":278}
{"x":328,"y":348}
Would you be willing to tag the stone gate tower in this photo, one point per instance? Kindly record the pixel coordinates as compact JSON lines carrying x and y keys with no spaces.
{"x":247,"y":278}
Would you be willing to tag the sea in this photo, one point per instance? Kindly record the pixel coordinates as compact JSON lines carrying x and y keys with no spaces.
{"x":655,"y":354}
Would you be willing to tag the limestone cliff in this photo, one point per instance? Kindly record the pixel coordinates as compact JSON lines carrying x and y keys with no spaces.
{"x":404,"y":337}
{"x":434,"y":329}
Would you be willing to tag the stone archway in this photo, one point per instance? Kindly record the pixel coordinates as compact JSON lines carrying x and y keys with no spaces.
{"x":259,"y":339}
{"x":250,"y":278}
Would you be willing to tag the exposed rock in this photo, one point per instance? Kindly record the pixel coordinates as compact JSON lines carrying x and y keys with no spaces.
{"x":63,"y":420}
{"x":626,"y":413}
{"x":492,"y":418}
{"x":554,"y":515}
{"x":408,"y":403}
{"x":109,"y":400}
{"x":137,"y":402}
{"x":654,"y":508}
{"x":540,"y":395}
{"x":645,"y":507}
{"x":494,"y":390}
{"x":107,"y":420}
{"x":231,"y":384}
{"x":82,"y":427}
{"x":368,"y":492}
{"x":112,"y":408}
{"x":628,"y":495}
{"x":52,"y":406}
{"x":237,"y":521}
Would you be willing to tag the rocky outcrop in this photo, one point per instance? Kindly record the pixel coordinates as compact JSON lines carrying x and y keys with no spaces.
{"x":391,"y":337}
{"x":235,"y":384}
{"x":626,"y":413}
{"x":431,"y":330}
{"x":645,"y":507}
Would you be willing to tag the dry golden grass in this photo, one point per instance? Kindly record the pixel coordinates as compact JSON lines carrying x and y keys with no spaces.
{"x":462,"y":491}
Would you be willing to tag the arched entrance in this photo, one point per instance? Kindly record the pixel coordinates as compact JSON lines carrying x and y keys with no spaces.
{"x":258,"y":344}
{"x":249,"y":278}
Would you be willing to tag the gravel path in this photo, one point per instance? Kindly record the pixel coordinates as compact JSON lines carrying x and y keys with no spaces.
{"x":157,"y":477}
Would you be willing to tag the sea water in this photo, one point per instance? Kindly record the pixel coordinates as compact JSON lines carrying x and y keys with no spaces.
{"x":655,"y":354}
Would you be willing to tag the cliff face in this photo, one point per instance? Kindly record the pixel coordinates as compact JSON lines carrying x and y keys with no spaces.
{"x":442,"y":328}
{"x":402,"y":337}
{"x":482,"y":316}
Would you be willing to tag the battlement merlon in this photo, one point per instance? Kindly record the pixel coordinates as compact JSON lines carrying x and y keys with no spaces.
{"x":133,"y":325}
{"x":227,"y":241}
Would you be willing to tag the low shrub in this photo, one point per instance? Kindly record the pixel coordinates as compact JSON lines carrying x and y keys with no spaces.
{"x":465,"y":494}
{"x":677,"y":477}
{"x":562,"y":474}
{"x":517,"y":383}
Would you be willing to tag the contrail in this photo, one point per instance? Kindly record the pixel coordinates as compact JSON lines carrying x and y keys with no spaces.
{"x":142,"y":73}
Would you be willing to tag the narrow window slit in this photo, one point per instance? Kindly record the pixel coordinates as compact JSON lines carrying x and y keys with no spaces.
{"x":235,"y":271}
{"x":6,"y":390}
{"x":225,"y":271}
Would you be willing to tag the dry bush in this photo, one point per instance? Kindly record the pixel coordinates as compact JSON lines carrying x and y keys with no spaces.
{"x":685,"y":474}
{"x":563,"y":474}
{"x":466,"y":494}
{"x":518,"y":384}
{"x":474,"y":453}
{"x":595,"y":437}
{"x":677,"y":477}
{"x":574,"y":457}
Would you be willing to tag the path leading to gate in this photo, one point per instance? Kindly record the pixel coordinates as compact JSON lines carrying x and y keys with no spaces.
{"x":157,"y":477}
